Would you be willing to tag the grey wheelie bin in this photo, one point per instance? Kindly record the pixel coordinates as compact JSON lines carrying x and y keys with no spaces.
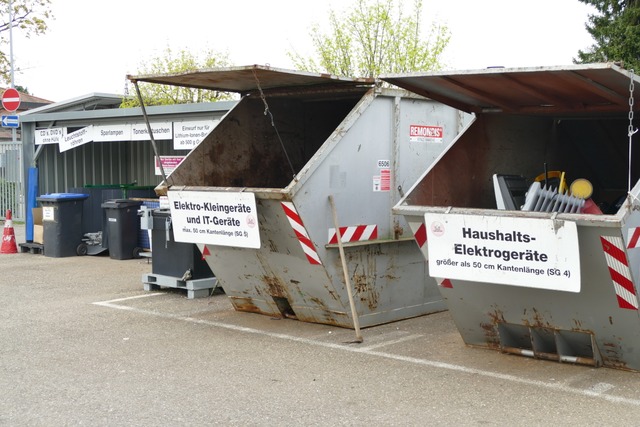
{"x":62,"y":223}
{"x":254,"y":194}
{"x":529,"y":262}
{"x":176,"y":264}
{"x":121,"y":228}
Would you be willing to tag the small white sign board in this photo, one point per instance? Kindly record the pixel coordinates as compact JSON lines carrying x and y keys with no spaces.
{"x":529,"y":252}
{"x":188,"y":134}
{"x":48,"y":213}
{"x":76,"y":139}
{"x":49,"y":136}
{"x":113,"y":132}
{"x":161,"y":130}
{"x":215,"y":218}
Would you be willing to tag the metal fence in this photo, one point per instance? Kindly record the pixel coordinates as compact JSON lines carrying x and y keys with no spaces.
{"x":11,"y":188}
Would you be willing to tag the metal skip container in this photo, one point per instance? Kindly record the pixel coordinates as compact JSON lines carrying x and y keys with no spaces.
{"x":254,"y":194}
{"x":528,"y":262}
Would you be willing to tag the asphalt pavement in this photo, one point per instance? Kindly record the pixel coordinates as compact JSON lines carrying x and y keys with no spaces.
{"x":82,"y":343}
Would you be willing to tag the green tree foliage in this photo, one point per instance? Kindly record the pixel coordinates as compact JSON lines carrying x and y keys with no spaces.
{"x":375,"y":37}
{"x":22,"y":89}
{"x":170,"y":62}
{"x":616,"y":31}
{"x":30,"y":18}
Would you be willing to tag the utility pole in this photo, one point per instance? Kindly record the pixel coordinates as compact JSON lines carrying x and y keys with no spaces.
{"x":13,"y":130}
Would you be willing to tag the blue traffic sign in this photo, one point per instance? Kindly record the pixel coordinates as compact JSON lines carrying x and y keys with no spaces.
{"x":10,"y":121}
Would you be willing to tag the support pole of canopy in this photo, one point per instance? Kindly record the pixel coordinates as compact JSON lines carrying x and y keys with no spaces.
{"x":153,"y":141}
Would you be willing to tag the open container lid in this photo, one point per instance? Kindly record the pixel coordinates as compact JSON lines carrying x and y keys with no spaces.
{"x":567,"y":90}
{"x":249,"y":78}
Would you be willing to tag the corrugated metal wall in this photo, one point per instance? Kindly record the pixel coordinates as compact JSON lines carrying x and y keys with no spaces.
{"x":11,"y":179}
{"x":100,"y":164}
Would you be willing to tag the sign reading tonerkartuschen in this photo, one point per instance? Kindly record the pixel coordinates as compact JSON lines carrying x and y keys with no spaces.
{"x":215,"y":218}
{"x":529,"y":252}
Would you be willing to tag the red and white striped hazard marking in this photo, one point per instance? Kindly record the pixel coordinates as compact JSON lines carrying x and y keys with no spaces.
{"x":205,"y":252}
{"x":444,"y":283}
{"x":301,"y":233}
{"x":619,"y":270}
{"x":421,"y":235}
{"x":356,"y":233}
{"x":633,"y":240}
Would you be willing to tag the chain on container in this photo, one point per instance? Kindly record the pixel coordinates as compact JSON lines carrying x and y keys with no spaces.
{"x":631,"y":130}
{"x":267,"y":111}
{"x":631,"y":102}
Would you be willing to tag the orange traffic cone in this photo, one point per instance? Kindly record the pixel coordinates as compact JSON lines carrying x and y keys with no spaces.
{"x":8,"y":237}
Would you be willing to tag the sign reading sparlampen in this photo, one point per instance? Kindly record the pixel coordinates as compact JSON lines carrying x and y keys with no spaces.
{"x":215,"y":218}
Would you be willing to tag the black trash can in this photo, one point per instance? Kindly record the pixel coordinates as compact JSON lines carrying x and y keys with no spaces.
{"x":121,"y":228}
{"x":62,"y":223}
{"x":171,"y":258}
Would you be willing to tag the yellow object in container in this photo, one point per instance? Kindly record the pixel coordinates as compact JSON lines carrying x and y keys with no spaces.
{"x":581,"y":188}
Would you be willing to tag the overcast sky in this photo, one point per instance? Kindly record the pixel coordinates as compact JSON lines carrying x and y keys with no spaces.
{"x":92,"y":46}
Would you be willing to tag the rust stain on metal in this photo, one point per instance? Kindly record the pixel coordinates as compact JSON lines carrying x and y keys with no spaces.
{"x":272,"y":246}
{"x":612,"y":355}
{"x":359,"y":284}
{"x":497,"y":316}
{"x":245,"y":304}
{"x":327,"y":319}
{"x":275,"y":286}
{"x":398,"y":231}
{"x":491,"y":330}
{"x":365,"y":291}
{"x":333,"y":293}
{"x":491,"y":335}
{"x":319,"y":303}
{"x":539,"y":321}
{"x":362,"y":266}
{"x":324,"y":315}
{"x":586,"y":361}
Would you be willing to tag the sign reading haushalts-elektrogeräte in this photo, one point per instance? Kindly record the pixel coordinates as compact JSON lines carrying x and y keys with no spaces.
{"x":215,"y":218}
{"x":529,"y":252}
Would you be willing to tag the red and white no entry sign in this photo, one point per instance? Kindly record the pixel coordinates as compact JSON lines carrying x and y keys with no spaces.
{"x":11,"y":99}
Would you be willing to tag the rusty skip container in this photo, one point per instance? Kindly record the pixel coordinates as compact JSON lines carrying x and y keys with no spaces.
{"x":557,"y":284}
{"x":293,"y":140}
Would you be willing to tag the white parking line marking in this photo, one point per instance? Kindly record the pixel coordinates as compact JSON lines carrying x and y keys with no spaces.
{"x":594,"y":392}
{"x":392,"y":342}
{"x":155,"y":294}
{"x":600,"y":388}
